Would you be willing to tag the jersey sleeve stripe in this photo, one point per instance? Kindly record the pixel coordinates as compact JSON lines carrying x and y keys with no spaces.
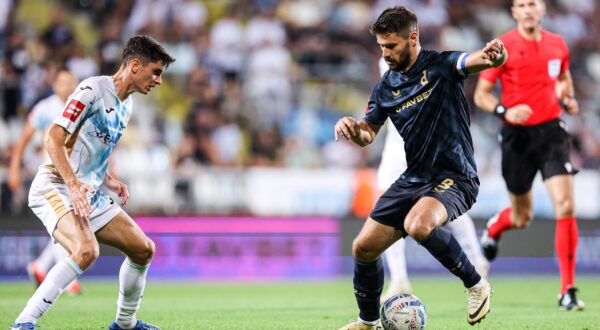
{"x":461,"y":65}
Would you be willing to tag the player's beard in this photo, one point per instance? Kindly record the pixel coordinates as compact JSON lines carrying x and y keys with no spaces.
{"x":404,"y":61}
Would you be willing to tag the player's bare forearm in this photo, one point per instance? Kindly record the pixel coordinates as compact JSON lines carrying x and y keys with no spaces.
{"x":361,"y":132}
{"x":492,"y":55}
{"x":57,"y":150}
{"x":367,"y":134}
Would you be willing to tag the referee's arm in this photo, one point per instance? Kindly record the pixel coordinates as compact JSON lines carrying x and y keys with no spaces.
{"x":566,"y":92}
{"x":485,"y":100}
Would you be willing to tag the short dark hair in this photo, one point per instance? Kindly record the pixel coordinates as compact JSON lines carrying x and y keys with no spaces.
{"x":512,"y":3}
{"x":395,"y":20}
{"x":147,"y":49}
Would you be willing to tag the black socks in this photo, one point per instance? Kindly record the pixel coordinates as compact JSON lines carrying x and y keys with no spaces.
{"x":445,"y":248}
{"x":368,"y":284}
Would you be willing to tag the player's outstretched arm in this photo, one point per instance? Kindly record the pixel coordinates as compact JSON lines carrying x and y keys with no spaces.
{"x":14,"y":171}
{"x":492,"y":55}
{"x":361,"y":132}
{"x":57,"y":150}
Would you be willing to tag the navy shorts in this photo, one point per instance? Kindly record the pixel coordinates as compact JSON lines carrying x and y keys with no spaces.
{"x":393,"y":206}
{"x":529,"y":149}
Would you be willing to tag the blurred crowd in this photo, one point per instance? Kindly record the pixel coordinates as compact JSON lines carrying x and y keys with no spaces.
{"x":262,"y":82}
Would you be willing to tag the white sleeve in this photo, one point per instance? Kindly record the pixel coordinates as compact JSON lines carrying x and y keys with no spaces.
{"x":78,"y":106}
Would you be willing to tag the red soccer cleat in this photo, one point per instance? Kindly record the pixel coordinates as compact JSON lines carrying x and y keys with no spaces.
{"x":36,"y":275}
{"x":73,"y":288}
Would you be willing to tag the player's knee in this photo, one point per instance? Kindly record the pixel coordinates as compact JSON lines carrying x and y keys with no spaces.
{"x":564,"y":208}
{"x":150,"y":249}
{"x":418,"y":229}
{"x":143,"y":255}
{"x":362,"y":252}
{"x":86,"y":253}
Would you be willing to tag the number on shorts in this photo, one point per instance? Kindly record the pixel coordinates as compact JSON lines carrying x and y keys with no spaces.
{"x":443,"y":186}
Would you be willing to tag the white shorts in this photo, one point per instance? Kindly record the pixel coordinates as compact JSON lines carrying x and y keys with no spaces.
{"x":49,"y":199}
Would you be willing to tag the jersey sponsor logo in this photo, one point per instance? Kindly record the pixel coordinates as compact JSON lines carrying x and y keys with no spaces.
{"x":73,"y":110}
{"x":424,"y":80}
{"x":85,"y":87}
{"x":417,"y":99}
{"x":554,"y":68}
{"x":396,"y":93}
{"x":105,"y":138}
{"x":109,"y":110}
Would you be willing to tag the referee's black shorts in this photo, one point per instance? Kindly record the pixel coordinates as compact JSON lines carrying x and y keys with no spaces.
{"x":457,"y":196}
{"x":527,"y":149}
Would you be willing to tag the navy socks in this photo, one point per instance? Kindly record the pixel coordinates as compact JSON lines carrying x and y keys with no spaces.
{"x":445,"y":248}
{"x":368,"y":284}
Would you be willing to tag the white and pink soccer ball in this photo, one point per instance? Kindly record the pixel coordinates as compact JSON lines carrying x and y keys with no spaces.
{"x":403,"y":312}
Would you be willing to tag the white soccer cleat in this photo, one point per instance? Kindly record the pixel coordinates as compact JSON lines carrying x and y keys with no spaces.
{"x":478,"y":298}
{"x":360,"y":325}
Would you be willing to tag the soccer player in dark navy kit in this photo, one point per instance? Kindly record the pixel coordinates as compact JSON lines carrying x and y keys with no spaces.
{"x":533,"y":136}
{"x":423,"y":95}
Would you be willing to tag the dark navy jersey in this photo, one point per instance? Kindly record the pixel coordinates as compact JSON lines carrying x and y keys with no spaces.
{"x":427,"y":106}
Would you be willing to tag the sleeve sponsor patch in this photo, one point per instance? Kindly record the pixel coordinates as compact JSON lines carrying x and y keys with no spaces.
{"x":73,"y":110}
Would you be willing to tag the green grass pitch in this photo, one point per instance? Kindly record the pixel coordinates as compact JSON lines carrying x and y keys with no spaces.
{"x":528,"y":303}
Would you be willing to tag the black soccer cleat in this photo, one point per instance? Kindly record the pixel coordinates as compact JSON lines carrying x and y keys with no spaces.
{"x":569,"y":301}
{"x":489,"y":246}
